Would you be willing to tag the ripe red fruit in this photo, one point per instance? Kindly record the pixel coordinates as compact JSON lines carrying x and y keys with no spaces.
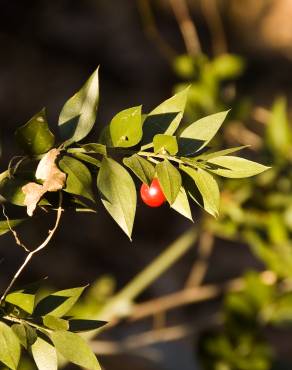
{"x":152,"y":195}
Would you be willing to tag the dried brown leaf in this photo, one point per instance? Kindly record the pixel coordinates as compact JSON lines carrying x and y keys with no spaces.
{"x":53,"y":180}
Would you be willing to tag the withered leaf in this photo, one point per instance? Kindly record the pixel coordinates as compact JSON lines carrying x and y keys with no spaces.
{"x":53,"y":180}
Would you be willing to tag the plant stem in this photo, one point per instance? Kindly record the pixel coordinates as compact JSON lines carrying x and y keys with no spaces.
{"x":35,"y":251}
{"x":161,"y":156}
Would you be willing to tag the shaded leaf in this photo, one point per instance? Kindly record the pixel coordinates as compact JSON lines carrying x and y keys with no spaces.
{"x":79,"y":112}
{"x":44,"y":355}
{"x":25,"y":334}
{"x":126,"y":128}
{"x":208,"y":188}
{"x":165,"y":118}
{"x":90,"y":148}
{"x":74,"y":349}
{"x":181,"y":204}
{"x":59,"y":303}
{"x":169,"y":179}
{"x":79,"y":325}
{"x":9,"y":347}
{"x":87,"y":158}
{"x":35,"y":136}
{"x":79,"y":180}
{"x":235,"y":167}
{"x":143,"y":169}
{"x":165,"y":143}
{"x":118,"y":193}
{"x":205,"y":128}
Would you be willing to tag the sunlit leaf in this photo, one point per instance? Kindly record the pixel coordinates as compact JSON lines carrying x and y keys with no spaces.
{"x":9,"y":347}
{"x":169,"y":179}
{"x":207,"y":187}
{"x":235,"y":167}
{"x":118,"y":193}
{"x":44,"y":355}
{"x":181,"y":204}
{"x":79,"y":113}
{"x":126,"y":128}
{"x":142,"y":168}
{"x":165,"y":143}
{"x":74,"y":349}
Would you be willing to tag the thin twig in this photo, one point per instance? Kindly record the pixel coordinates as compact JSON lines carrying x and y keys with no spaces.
{"x":17,"y":240}
{"x":199,"y":269}
{"x":38,"y":249}
{"x":187,"y":26}
{"x":213,"y":19}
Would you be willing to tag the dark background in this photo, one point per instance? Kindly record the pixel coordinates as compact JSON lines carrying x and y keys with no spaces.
{"x":47,"y":50}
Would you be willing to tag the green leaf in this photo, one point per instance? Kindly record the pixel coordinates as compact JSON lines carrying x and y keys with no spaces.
{"x":235,"y":167}
{"x":25,"y":334}
{"x":207,"y":187}
{"x":74,"y":349}
{"x":169,"y":179}
{"x":118,"y":193}
{"x":126,"y":128}
{"x":165,"y":143}
{"x":9,"y":347}
{"x":24,"y":299}
{"x":210,"y":155}
{"x":278,"y":132}
{"x":205,"y":128}
{"x":165,"y":118}
{"x":228,"y":66}
{"x":181,"y":204}
{"x":44,"y":355}
{"x":35,"y":136}
{"x":55,"y":323}
{"x":143,"y":169}
{"x":79,"y":113}
{"x":90,"y":148}
{"x":58,"y":303}
{"x":87,"y":158}
{"x":4,"y":226}
{"x":79,"y":180}
{"x":79,"y":325}
{"x":10,"y":189}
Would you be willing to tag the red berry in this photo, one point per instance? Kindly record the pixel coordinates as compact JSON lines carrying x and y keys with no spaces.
{"x":152,"y":195}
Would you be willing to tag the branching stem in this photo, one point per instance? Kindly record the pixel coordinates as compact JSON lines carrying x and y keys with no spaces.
{"x":35,"y":251}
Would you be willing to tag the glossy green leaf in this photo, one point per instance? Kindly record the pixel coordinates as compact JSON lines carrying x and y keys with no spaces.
{"x":165,"y":143}
{"x":126,"y":128}
{"x":55,"y":323}
{"x":165,"y":118}
{"x":142,"y":168}
{"x":35,"y":136}
{"x":79,"y":113}
{"x":9,"y":347}
{"x":74,"y":349}
{"x":4,"y":226}
{"x":205,"y":128}
{"x":207,"y":187}
{"x":79,"y":180}
{"x":235,"y":167}
{"x":169,"y":179}
{"x":44,"y":355}
{"x":118,"y":193}
{"x":181,"y":204}
{"x":58,"y":303}
{"x":79,"y":325}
